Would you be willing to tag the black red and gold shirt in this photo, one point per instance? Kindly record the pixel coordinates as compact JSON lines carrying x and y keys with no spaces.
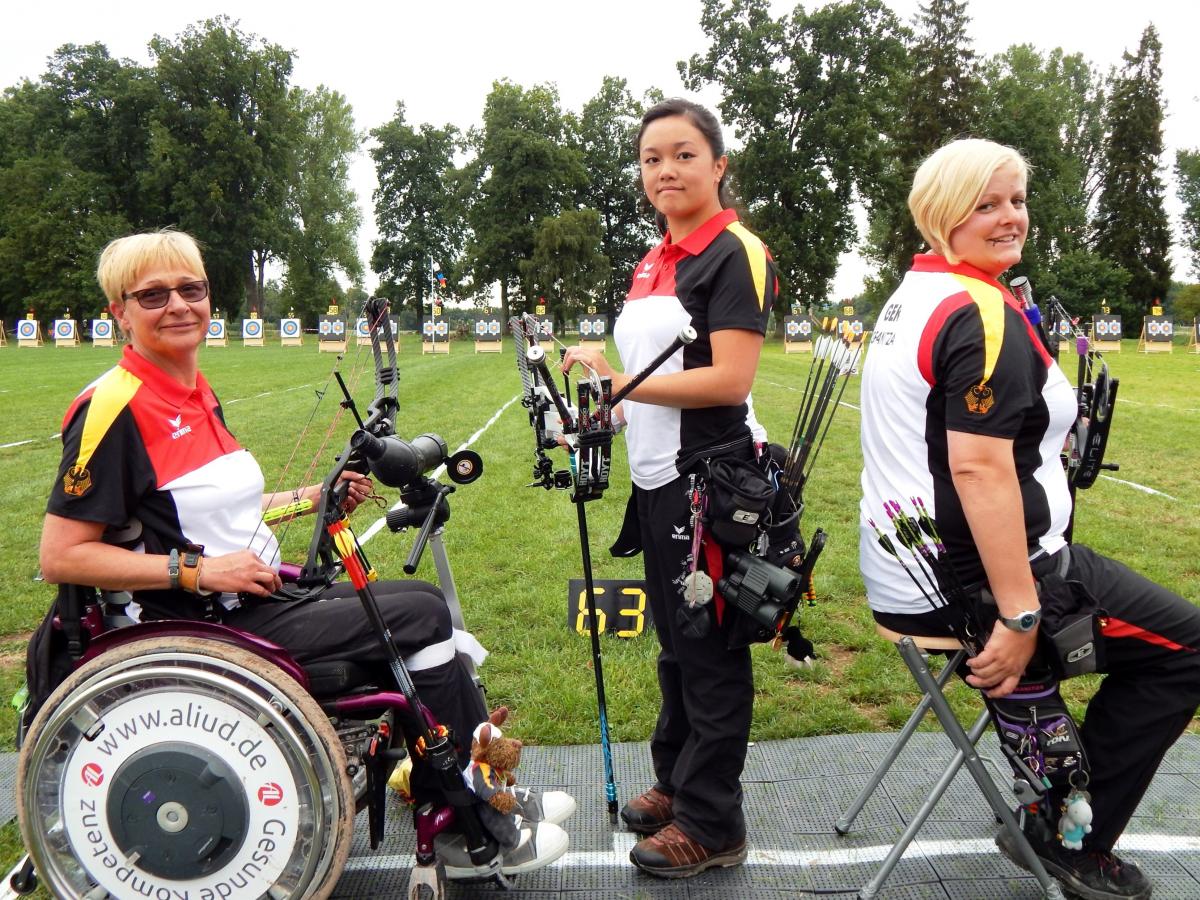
{"x":153,"y":462}
{"x":720,"y":276}
{"x":952,"y":351}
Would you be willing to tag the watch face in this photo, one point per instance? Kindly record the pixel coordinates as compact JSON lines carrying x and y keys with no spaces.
{"x":1027,"y":621}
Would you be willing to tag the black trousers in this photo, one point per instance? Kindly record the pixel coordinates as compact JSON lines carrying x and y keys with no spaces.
{"x":336,"y":628}
{"x":1151,"y":656}
{"x":699,"y":742}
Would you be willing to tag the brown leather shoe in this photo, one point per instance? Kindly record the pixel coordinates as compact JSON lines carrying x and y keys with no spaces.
{"x":648,"y":813}
{"x":672,"y":854}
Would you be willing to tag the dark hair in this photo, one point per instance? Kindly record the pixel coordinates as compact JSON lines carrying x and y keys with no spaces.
{"x":706,"y":123}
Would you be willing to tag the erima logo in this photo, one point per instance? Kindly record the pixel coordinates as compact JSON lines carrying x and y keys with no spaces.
{"x":178,"y":432}
{"x":679,"y":533}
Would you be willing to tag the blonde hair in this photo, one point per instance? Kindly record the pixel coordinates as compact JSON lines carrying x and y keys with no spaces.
{"x":124,"y":259}
{"x":950,"y":182}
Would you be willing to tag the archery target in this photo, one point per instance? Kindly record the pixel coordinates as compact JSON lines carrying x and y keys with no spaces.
{"x":494,"y":327}
{"x":442,"y":328}
{"x":793,"y":328}
{"x":339,"y":327}
{"x":27,"y":329}
{"x":362,"y":328}
{"x":585,"y":326}
{"x":251,"y":328}
{"x":427,"y":328}
{"x":289,"y":327}
{"x":216,"y":328}
{"x":102,"y":328}
{"x":481,"y":327}
{"x":1101,"y":328}
{"x":64,"y":329}
{"x":857,"y":327}
{"x":325,"y":328}
{"x":1064,"y":328}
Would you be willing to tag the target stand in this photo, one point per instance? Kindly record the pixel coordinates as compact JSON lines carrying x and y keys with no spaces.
{"x":103,"y":333}
{"x":488,"y":335}
{"x":252,"y":332}
{"x":1106,"y":333}
{"x":216,"y":334}
{"x":797,"y":334}
{"x":331,"y":334}
{"x":1194,"y":336}
{"x":3,"y":336}
{"x":290,"y":333}
{"x":29,"y":333}
{"x":1158,"y":335}
{"x":435,"y":336}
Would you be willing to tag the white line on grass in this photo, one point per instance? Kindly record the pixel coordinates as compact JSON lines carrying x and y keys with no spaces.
{"x":764,"y":856}
{"x":788,"y":387}
{"x":15,"y":444}
{"x":1139,"y":487}
{"x":1160,"y":405}
{"x":437,"y":473}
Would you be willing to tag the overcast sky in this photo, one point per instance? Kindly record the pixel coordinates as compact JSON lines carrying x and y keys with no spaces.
{"x":441,"y":58}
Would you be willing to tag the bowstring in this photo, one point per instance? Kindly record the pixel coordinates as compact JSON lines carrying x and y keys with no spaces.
{"x":357,"y":366}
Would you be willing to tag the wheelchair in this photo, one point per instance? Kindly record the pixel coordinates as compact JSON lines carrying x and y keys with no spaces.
{"x":186,"y":760}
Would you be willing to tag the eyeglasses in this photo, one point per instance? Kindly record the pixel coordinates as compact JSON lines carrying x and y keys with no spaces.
{"x":157,"y":297}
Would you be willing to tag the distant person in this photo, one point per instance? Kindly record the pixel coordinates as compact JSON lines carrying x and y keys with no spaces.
{"x":964,"y":408}
{"x":708,"y":270}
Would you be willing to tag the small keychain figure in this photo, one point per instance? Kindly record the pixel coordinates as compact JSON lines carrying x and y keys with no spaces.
{"x":692,"y":617}
{"x":1076,"y":820}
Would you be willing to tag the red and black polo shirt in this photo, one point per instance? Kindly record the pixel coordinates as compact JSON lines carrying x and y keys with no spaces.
{"x":153,"y":461}
{"x":953,"y":351}
{"x":720,"y":276}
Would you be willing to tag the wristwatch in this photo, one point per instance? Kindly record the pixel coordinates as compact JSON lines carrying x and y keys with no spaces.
{"x":173,"y":569}
{"x":1023,"y":621}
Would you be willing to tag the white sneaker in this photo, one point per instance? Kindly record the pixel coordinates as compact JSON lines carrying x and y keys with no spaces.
{"x":554,"y":807}
{"x":541,"y":843}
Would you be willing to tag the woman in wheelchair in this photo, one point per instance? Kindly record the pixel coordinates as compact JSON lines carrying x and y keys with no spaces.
{"x":156,"y":497}
{"x":964,"y":410}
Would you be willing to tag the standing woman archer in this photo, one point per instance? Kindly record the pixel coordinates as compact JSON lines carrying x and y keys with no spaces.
{"x":708,"y":270}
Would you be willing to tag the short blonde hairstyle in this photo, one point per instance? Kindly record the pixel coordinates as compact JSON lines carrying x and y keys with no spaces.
{"x":126,"y":258}
{"x":950,"y":182}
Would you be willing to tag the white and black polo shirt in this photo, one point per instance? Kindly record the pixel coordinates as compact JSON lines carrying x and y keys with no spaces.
{"x":153,"y":461}
{"x":952,"y":351}
{"x":720,"y":276}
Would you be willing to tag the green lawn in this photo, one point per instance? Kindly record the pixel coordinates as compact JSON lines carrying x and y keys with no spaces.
{"x":513,"y":548}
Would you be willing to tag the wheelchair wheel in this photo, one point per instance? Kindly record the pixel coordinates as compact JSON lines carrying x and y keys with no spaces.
{"x":184,"y":767}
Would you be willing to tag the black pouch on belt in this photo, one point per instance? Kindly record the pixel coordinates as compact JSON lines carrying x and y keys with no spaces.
{"x":1070,"y":626}
{"x":739,"y":495}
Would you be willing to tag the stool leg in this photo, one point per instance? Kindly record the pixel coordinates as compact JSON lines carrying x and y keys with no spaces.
{"x":941,"y":709}
{"x":872,"y":887}
{"x":842,"y":826}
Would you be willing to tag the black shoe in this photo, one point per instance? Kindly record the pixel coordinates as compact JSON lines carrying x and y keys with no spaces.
{"x":1089,"y":874}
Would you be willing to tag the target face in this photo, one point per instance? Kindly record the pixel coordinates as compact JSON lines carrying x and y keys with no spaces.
{"x":1101,"y":328}
{"x":216,"y":328}
{"x":442,"y":328}
{"x":585,"y":326}
{"x":64,"y":329}
{"x":856,"y":326}
{"x":289,"y":327}
{"x":326,"y":327}
{"x":251,"y":328}
{"x":362,"y":329}
{"x":793,"y":328}
{"x":427,"y":329}
{"x":339,"y":327}
{"x":102,"y":328}
{"x":494,"y":326}
{"x":482,"y":327}
{"x":27,"y":329}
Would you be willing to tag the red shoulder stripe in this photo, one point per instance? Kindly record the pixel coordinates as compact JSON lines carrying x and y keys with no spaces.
{"x":933,"y":328}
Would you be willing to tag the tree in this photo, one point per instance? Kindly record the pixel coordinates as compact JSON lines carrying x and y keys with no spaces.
{"x":1187,"y":170}
{"x":1084,"y":281}
{"x":607,"y":130}
{"x":1050,"y":107}
{"x":566,"y":266}
{"x":808,"y":96}
{"x":1131,"y":224}
{"x":415,"y":209}
{"x":221,"y":150}
{"x":524,"y":171}
{"x":322,"y":205}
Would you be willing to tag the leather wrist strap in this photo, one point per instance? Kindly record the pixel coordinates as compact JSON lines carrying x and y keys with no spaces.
{"x":189,"y":569}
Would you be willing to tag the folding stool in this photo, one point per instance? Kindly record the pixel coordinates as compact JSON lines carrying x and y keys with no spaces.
{"x":911,"y":649}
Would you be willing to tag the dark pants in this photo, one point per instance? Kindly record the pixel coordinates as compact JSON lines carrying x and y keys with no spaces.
{"x":1150,"y":641}
{"x":699,"y":743}
{"x":336,"y":628}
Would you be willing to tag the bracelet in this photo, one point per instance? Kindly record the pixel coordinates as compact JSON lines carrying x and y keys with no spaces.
{"x":173,"y":569}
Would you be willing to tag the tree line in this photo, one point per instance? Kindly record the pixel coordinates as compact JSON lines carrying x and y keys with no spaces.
{"x":831,"y":109}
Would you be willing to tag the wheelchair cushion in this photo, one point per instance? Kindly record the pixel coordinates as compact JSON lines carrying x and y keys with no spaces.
{"x":331,"y":678}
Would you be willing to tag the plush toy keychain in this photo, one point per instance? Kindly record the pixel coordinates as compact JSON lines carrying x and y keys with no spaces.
{"x":1076,"y":820}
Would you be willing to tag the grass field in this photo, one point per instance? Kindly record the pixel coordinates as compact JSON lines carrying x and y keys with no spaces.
{"x":513,"y":548}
